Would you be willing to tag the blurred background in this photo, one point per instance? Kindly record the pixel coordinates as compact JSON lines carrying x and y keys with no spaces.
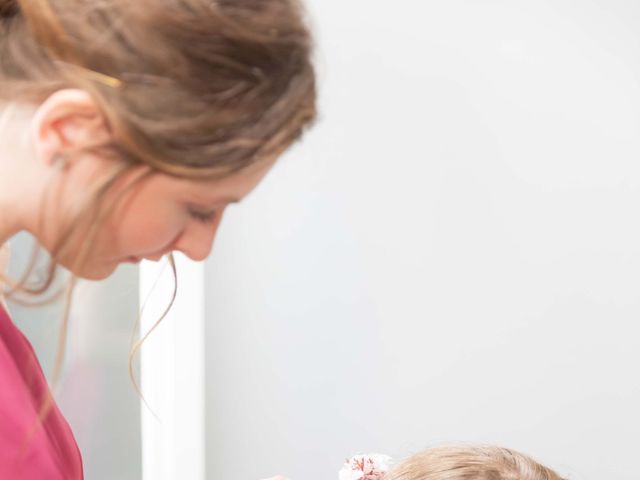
{"x":451,"y":255}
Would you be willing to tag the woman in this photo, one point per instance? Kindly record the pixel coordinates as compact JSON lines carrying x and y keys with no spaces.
{"x":126,"y":129}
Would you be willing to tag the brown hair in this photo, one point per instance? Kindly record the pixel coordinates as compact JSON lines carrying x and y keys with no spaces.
{"x":470,"y":463}
{"x":197,"y":89}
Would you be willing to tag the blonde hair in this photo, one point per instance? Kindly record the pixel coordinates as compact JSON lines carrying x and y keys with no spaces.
{"x":470,"y":463}
{"x":196,"y":89}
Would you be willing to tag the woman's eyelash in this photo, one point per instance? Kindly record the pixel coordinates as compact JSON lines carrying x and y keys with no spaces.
{"x":202,"y":216}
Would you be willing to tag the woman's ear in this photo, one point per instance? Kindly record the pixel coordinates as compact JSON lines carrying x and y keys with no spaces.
{"x":69,"y":120}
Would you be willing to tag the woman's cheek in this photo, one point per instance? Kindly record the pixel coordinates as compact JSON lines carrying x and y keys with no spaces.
{"x":157,"y":232}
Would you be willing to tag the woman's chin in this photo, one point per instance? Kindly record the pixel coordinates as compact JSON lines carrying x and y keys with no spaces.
{"x":95,"y":272}
{"x":97,"y":276}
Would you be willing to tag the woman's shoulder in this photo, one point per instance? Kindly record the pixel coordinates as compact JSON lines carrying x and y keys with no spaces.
{"x":30,"y":447}
{"x":25,"y":449}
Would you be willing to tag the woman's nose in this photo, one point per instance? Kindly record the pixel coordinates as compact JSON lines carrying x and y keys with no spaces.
{"x":197,"y":240}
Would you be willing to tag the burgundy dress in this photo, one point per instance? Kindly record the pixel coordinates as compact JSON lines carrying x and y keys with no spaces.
{"x":29,"y":449}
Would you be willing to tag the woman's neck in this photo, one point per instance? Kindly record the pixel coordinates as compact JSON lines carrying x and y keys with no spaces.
{"x":9,"y":225}
{"x":14,"y":198}
{"x":4,"y":265}
{"x":19,"y":177}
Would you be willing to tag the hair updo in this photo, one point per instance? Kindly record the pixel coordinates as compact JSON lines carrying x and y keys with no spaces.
{"x":203,"y":87}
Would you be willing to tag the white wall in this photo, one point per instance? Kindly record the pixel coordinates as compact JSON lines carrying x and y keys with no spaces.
{"x":452,"y":255}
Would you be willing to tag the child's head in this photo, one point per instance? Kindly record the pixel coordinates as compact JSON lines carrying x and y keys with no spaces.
{"x":470,"y":463}
{"x":450,"y":463}
{"x":162,"y":108}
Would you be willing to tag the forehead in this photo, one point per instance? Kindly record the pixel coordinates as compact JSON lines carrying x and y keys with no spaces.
{"x":229,"y":189}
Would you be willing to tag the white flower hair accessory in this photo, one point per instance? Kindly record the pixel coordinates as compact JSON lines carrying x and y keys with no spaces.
{"x":373,"y":466}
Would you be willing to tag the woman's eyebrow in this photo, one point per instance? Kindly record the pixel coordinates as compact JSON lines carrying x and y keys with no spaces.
{"x":218,"y":200}
{"x":229,"y":200}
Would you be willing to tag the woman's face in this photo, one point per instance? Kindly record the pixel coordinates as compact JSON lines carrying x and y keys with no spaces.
{"x":145,"y":214}
{"x":150,"y":215}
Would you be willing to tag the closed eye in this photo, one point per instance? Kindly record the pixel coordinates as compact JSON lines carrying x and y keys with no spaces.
{"x":203,"y":217}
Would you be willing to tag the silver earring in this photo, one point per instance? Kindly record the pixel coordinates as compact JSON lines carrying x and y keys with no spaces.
{"x":59,"y":161}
